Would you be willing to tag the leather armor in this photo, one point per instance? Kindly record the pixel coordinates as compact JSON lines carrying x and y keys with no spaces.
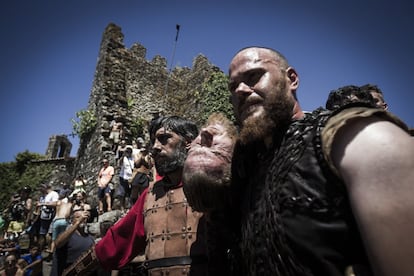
{"x":173,"y":229}
{"x":295,"y":217}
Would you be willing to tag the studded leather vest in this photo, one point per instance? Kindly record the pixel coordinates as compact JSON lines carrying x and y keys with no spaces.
{"x":295,"y":217}
{"x":173,"y":229}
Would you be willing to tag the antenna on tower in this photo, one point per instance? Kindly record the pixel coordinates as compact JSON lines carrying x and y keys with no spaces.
{"x":177,"y":27}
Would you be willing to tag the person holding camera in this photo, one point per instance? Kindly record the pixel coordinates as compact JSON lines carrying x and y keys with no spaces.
{"x":73,"y":242}
{"x":47,"y":212}
{"x":126,"y":166}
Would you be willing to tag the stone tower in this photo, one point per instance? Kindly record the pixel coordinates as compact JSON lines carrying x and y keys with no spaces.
{"x":131,"y":90}
{"x":59,"y":147}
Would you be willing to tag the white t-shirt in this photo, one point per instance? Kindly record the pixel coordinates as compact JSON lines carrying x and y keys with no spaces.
{"x":126,"y":168}
{"x":51,"y":197}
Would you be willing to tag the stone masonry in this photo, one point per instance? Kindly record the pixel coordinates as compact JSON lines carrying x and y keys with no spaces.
{"x":128,"y":88}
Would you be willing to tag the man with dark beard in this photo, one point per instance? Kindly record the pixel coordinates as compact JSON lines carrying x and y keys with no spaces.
{"x":161,"y":224}
{"x":316,"y":193}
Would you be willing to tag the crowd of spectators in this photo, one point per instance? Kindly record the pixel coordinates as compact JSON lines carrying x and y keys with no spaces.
{"x":33,"y":220}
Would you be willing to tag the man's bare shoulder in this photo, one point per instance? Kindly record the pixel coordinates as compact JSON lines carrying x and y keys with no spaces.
{"x":373,"y":144}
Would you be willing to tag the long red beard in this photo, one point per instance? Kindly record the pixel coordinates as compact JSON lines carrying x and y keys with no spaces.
{"x":278,"y":111}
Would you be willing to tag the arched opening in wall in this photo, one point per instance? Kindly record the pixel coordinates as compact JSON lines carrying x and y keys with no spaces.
{"x":59,"y":147}
{"x":62,"y":150}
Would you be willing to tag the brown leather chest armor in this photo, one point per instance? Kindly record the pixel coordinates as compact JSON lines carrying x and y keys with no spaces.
{"x":172,"y":228}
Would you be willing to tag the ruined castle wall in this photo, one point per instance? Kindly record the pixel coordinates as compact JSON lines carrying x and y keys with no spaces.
{"x":128,"y":88}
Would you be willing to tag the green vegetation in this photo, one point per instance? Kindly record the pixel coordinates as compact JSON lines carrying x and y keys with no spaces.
{"x":137,"y":127}
{"x":130,"y":103}
{"x":85,"y":123}
{"x":22,"y":172}
{"x":216,"y":97}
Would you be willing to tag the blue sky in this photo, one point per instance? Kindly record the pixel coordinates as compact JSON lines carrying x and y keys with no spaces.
{"x":49,"y":51}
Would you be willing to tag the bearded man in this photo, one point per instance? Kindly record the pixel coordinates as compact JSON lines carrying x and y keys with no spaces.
{"x":161,"y":225}
{"x":316,"y":193}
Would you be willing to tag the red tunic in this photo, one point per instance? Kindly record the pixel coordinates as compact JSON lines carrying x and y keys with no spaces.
{"x":125,"y":239}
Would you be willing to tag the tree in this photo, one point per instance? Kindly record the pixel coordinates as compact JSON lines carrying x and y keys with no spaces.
{"x":137,"y":127}
{"x":22,"y":172}
{"x":85,"y":123}
{"x":216,"y":97}
{"x":24,"y":158}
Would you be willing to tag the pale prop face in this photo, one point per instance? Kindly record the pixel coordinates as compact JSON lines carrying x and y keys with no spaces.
{"x":211,"y":150}
{"x":206,"y":172}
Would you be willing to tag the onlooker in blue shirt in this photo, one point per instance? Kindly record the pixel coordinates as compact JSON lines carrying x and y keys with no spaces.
{"x":34,"y":262}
